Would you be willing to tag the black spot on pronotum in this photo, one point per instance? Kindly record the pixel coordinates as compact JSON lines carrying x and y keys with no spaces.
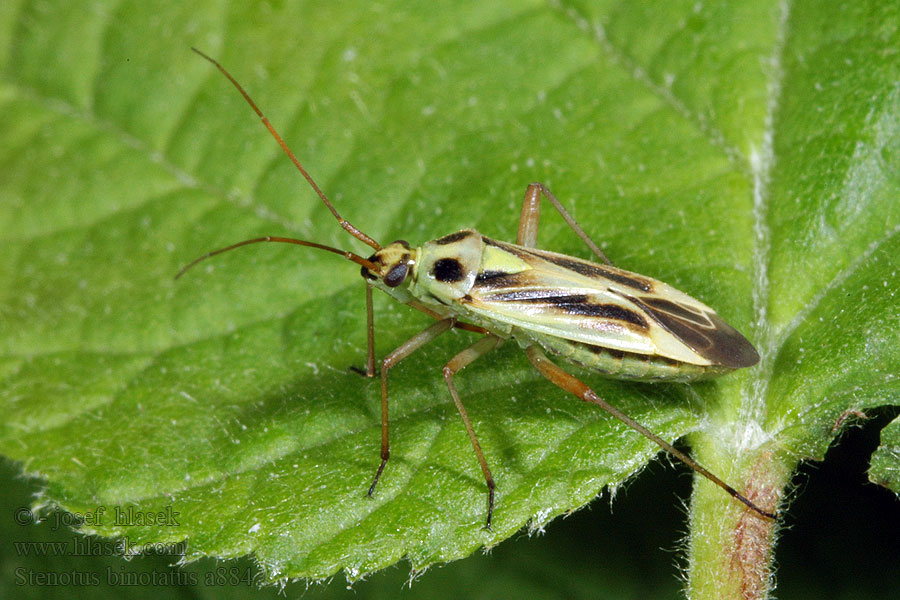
{"x":448,"y":270}
{"x":453,"y":237}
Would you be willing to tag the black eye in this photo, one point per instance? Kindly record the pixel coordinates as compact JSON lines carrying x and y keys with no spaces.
{"x":366,"y":273}
{"x":448,"y":270}
{"x":396,"y":275}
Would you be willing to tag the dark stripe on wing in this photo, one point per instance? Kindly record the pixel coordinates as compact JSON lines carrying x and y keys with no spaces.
{"x":486,"y":276}
{"x":591,"y":270}
{"x":678,"y":310}
{"x":582,"y":267}
{"x":570,"y":304}
{"x":706,"y":333}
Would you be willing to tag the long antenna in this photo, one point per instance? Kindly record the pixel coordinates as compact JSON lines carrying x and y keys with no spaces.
{"x":347,"y":225}
{"x":348,"y":255}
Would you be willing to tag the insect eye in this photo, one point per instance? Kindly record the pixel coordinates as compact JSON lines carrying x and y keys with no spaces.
{"x":366,"y":273}
{"x":396,"y":275}
{"x":448,"y":270}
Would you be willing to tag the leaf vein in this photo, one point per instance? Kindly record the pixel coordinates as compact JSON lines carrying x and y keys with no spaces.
{"x":598,"y":33}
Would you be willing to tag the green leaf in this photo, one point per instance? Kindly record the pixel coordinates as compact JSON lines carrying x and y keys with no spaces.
{"x":746,"y":153}
{"x":35,"y":556}
{"x":885,"y":466}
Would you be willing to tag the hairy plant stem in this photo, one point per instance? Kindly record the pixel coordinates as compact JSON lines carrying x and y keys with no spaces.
{"x":730,"y":548}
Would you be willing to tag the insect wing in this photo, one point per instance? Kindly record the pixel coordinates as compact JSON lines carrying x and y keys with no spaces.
{"x":561,"y":296}
{"x":702,"y":329}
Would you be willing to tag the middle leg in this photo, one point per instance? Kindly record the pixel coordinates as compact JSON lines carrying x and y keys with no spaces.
{"x":457,"y":364}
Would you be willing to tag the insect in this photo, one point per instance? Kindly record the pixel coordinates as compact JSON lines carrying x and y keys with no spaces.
{"x":620,"y":324}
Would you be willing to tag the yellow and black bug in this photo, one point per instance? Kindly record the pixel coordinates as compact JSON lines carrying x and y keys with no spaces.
{"x":620,"y":324}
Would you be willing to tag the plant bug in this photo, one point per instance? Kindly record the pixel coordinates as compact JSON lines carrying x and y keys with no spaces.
{"x":620,"y":324}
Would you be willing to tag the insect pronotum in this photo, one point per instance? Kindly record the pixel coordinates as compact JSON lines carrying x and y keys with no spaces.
{"x":620,"y":324}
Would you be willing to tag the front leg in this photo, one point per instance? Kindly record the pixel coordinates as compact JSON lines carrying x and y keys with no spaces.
{"x":457,"y":364}
{"x":369,"y":371}
{"x":391,"y":360}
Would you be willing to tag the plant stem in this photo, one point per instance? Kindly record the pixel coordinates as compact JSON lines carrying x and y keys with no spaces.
{"x":731,"y":548}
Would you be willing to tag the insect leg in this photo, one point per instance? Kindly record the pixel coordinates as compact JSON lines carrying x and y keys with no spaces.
{"x":370,"y":334}
{"x":530,"y":217}
{"x":456,"y":324}
{"x":457,"y":364}
{"x":404,"y":350}
{"x":369,"y":371}
{"x":531,"y":214}
{"x":572,"y":384}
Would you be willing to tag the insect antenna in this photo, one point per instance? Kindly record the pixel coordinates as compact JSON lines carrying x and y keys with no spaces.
{"x":347,"y":225}
{"x":348,"y":255}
